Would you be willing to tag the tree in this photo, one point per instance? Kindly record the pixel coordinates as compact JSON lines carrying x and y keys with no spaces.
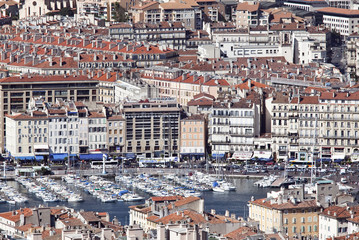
{"x":119,"y":13}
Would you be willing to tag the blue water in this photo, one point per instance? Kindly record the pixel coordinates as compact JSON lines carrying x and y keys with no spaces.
{"x":235,"y":201}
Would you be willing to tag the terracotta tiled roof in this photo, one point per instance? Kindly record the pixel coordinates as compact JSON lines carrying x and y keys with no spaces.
{"x":287,"y":205}
{"x":96,"y":115}
{"x":254,"y":84}
{"x":14,"y":216}
{"x":245,"y":6}
{"x":240,"y":233}
{"x":141,"y":209}
{"x":184,"y":201}
{"x":194,"y":117}
{"x":166,"y":198}
{"x":340,"y":212}
{"x":191,"y":217}
{"x":339,"y":11}
{"x":72,"y":222}
{"x":200,"y":102}
{"x":203,"y":96}
{"x":43,"y":78}
{"x":89,"y":216}
{"x":306,"y":100}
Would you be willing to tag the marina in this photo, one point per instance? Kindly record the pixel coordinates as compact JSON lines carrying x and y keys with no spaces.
{"x":213,"y":200}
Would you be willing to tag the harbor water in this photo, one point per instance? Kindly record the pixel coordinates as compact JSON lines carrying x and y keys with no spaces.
{"x":233,"y":201}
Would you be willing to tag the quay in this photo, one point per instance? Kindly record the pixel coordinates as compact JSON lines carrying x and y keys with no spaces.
{"x":58,"y":174}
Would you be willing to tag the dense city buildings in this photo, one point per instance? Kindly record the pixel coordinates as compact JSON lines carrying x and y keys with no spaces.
{"x":91,"y":87}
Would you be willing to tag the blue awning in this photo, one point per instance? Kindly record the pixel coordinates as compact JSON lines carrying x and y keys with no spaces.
{"x":324,"y":160}
{"x":25,"y":158}
{"x":130,"y":155}
{"x":217,"y":155}
{"x":290,"y":159}
{"x":88,"y":157}
{"x":39,"y":158}
{"x":338,"y":160}
{"x":192,"y":154}
{"x":265,"y":159}
{"x":58,"y":156}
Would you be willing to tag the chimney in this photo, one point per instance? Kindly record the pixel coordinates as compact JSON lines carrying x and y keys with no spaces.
{"x":249,"y":83}
{"x":108,"y":75}
{"x":226,"y":213}
{"x":60,"y":40}
{"x":184,"y":76}
{"x":50,"y":61}
{"x":61,"y":61}
{"x":35,"y":61}
{"x":213,"y":211}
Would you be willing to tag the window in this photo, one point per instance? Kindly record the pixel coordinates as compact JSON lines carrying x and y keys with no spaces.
{"x":19,"y":131}
{"x":29,"y":149}
{"x":294,"y":229}
{"x":294,"y":220}
{"x":19,"y":150}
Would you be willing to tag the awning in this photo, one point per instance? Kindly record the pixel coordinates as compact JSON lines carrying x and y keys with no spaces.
{"x":130,"y":155}
{"x":58,"y":156}
{"x":25,"y":158}
{"x":39,"y":158}
{"x":324,"y":160}
{"x":88,"y":157}
{"x":338,"y":157}
{"x":217,"y":155}
{"x":242,"y":155}
{"x":265,"y":159}
{"x":262,"y":154}
{"x":41,"y":147}
{"x":192,"y":154}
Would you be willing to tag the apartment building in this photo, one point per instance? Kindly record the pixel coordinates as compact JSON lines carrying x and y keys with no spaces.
{"x":343,"y":21}
{"x":188,"y":12}
{"x":116,"y":133}
{"x":333,"y":221}
{"x":146,"y":12}
{"x":96,"y":8}
{"x":247,"y":14}
{"x":233,"y":126}
{"x":173,"y":83}
{"x":310,"y":47}
{"x":321,"y":127}
{"x":193,"y":137}
{"x":152,"y":127}
{"x":27,"y":136}
{"x":172,"y":35}
{"x":16,"y":92}
{"x":97,"y":123}
{"x":54,"y":131}
{"x":293,"y":219}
